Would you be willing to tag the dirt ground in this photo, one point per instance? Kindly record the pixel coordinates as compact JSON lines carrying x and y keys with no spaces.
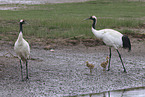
{"x":63,"y":72}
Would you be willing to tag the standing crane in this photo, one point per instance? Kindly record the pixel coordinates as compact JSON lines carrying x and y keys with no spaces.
{"x":22,"y":49}
{"x":111,"y":38}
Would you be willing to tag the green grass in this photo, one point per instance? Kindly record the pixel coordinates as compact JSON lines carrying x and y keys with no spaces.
{"x":55,"y":21}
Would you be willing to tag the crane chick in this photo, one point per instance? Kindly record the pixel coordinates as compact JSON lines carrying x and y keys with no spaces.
{"x":104,"y":64}
{"x":90,"y":66}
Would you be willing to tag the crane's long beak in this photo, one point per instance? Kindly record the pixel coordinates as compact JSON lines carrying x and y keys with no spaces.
{"x":87,"y":19}
{"x":26,"y":22}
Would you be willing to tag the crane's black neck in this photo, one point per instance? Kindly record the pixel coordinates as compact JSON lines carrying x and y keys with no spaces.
{"x":94,"y":23}
{"x":21,"y":29}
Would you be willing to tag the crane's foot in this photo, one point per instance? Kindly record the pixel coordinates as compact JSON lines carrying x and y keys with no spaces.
{"x":27,"y":78}
{"x":125,"y":71}
{"x":22,"y":79}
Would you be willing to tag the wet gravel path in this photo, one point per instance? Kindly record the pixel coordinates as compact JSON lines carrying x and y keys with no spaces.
{"x":63,"y":72}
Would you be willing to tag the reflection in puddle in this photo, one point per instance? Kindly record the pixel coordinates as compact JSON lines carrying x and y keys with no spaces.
{"x":131,"y":92}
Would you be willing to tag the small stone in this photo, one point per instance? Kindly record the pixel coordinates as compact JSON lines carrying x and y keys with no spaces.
{"x":52,"y":50}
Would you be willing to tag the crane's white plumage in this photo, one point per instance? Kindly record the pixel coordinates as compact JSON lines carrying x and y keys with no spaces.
{"x":22,"y":49}
{"x":111,"y":38}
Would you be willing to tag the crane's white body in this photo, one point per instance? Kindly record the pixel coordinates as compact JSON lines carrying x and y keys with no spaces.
{"x":110,"y":37}
{"x":22,"y":47}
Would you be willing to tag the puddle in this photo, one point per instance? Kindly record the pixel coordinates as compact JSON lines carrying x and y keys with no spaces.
{"x":130,"y":92}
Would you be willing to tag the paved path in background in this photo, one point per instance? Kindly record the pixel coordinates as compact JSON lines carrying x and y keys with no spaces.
{"x":38,"y":1}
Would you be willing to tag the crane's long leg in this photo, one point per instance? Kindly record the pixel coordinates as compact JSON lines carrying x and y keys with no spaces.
{"x":21,"y":70}
{"x":109,"y":58}
{"x":27,"y":69}
{"x":121,"y":60}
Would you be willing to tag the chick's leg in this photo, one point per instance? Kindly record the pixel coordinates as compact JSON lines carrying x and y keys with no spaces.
{"x":104,"y":69}
{"x":90,"y":71}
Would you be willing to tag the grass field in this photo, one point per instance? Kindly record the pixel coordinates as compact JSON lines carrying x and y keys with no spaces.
{"x":53,"y":21}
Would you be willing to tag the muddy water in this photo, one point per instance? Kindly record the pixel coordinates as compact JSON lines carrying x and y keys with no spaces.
{"x":131,"y":92}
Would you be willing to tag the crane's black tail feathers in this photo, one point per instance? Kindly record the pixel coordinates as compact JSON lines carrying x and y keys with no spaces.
{"x":126,"y":42}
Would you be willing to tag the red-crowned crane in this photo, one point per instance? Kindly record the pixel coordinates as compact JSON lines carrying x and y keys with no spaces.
{"x":22,"y":49}
{"x":111,"y":38}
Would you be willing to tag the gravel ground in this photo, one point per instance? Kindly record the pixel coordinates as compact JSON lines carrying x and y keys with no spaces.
{"x":64,"y":72}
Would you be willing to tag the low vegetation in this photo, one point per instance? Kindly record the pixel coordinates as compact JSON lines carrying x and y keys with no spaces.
{"x":64,"y":21}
